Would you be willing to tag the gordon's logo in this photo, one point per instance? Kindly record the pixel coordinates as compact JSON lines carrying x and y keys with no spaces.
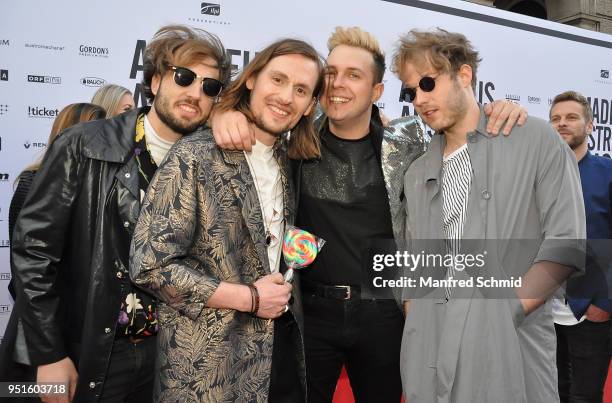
{"x":42,"y":112}
{"x":511,"y":97}
{"x":5,"y":42}
{"x":3,"y":75}
{"x":93,"y":81}
{"x":44,"y":79}
{"x":534,"y":100}
{"x":211,"y":9}
{"x":605,"y":74}
{"x":5,"y":276}
{"x":95,"y":51}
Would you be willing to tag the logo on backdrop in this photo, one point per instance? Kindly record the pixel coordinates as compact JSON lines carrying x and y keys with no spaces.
{"x":3,"y":109}
{"x":5,"y":243}
{"x":534,"y":100}
{"x":93,"y":81}
{"x":56,"y":48}
{"x":511,"y":97}
{"x":5,"y":42}
{"x":208,"y":10}
{"x":3,"y":75}
{"x":4,"y":177}
{"x":44,"y":79}
{"x":93,"y":51}
{"x":42,"y":112}
{"x":34,"y":145}
{"x":5,"y":276}
{"x":5,"y":310}
{"x":211,"y":8}
{"x":605,"y":74}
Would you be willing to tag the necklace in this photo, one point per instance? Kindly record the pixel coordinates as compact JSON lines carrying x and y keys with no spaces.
{"x":269,"y":236}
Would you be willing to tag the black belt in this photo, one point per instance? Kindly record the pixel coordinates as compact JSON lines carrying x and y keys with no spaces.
{"x":342,"y":292}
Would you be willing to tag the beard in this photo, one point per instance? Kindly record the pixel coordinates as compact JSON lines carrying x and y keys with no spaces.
{"x":261,"y":124}
{"x":576,"y":140}
{"x":456,"y":106}
{"x":177,"y":125}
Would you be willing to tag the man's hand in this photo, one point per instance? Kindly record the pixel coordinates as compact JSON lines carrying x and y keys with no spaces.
{"x":62,"y":371}
{"x":595,"y":314}
{"x":232,"y":130}
{"x":500,"y":112}
{"x":274,"y":294}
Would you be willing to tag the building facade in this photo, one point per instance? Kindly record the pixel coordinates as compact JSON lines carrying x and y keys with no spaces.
{"x":595,"y":15}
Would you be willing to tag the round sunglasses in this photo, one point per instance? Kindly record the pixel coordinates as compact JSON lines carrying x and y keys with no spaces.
{"x":427,"y":84}
{"x":185,"y":77}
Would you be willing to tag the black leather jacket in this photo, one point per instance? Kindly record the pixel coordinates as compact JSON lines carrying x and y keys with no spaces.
{"x":66,"y":254}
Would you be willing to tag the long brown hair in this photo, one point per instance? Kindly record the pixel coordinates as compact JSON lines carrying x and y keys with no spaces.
{"x":304,"y":141}
{"x":69,"y":116}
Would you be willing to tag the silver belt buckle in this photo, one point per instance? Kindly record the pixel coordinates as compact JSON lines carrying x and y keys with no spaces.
{"x":348,"y":291}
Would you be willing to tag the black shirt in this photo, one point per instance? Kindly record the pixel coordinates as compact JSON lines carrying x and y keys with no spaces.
{"x":343,"y":199}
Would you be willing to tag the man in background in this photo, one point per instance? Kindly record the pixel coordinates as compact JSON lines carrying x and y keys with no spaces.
{"x":582,"y":319}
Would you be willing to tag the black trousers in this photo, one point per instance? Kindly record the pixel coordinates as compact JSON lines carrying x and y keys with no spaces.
{"x":131,"y":372}
{"x":285,"y":383}
{"x":583,"y":357}
{"x":363,"y":335}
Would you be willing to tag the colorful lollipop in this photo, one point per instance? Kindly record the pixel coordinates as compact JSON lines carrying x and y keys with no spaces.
{"x":300,"y":248}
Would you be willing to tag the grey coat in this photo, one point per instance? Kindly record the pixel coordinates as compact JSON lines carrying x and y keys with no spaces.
{"x":479,"y":347}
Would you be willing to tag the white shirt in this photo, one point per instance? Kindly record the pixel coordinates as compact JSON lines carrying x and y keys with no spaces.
{"x":456,"y":182}
{"x":158,"y":147}
{"x":562,"y":314}
{"x":266,"y":175}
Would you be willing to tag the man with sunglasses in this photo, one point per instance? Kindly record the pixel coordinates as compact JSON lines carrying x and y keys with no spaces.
{"x":208,"y":243}
{"x":482,"y":332}
{"x":342,"y":197}
{"x":85,"y":323}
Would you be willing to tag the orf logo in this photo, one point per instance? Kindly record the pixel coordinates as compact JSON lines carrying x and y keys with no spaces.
{"x":93,"y":81}
{"x":211,"y":9}
{"x":605,"y":74}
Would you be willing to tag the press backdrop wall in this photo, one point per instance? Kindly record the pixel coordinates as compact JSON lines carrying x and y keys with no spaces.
{"x":53,"y":53}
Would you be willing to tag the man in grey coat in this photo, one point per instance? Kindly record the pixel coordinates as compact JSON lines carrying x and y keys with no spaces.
{"x":482,"y":333}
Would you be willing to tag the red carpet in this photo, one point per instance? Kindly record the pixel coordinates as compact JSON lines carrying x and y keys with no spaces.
{"x":345,"y":395}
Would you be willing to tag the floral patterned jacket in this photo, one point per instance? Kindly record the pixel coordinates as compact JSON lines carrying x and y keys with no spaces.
{"x":201,"y":224}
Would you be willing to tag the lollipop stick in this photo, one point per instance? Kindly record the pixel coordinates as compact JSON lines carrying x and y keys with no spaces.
{"x":288,"y":275}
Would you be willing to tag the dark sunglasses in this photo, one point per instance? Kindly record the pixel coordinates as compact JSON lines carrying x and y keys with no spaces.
{"x":426,"y":84}
{"x":185,"y":77}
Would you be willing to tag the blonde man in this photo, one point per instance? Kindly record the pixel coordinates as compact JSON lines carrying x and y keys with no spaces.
{"x":517,"y":202}
{"x":343,"y":198}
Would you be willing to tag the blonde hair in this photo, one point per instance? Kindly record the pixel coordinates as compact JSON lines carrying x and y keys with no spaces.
{"x":357,"y":37}
{"x":445,"y":51}
{"x":108,"y":97}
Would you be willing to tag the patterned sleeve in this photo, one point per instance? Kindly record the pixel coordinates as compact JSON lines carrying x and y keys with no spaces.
{"x":160,"y":258}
